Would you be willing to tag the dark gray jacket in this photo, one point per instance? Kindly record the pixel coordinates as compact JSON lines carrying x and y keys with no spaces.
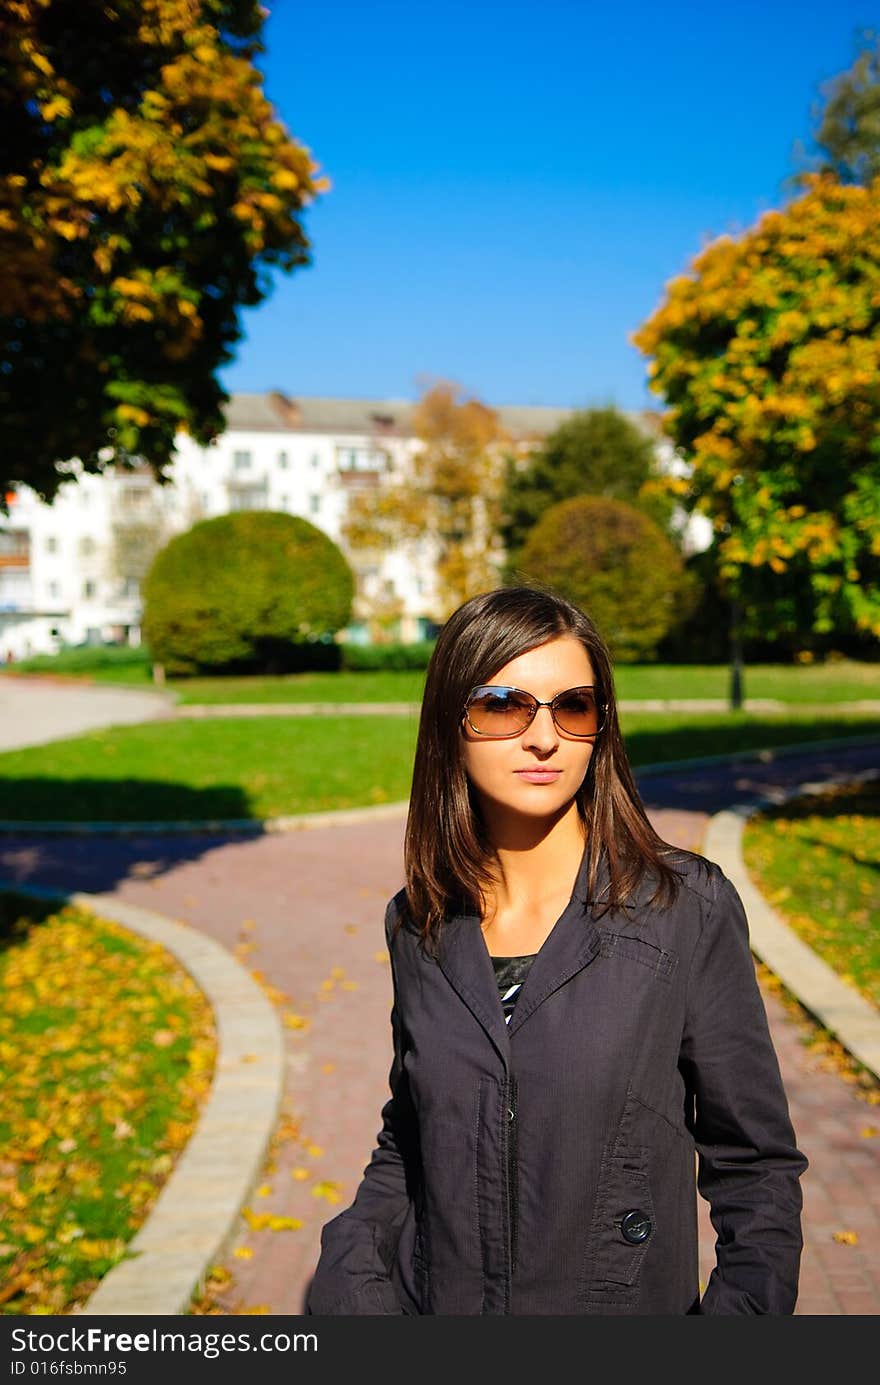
{"x":550,"y":1166}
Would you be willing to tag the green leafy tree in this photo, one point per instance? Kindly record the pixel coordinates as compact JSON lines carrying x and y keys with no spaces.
{"x":617,"y":564}
{"x":147,"y":190}
{"x":253,"y":589}
{"x":846,"y":136}
{"x":767,"y":353}
{"x":595,"y":452}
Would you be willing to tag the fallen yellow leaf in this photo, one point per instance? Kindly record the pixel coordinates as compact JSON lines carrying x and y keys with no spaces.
{"x":846,"y":1238}
{"x":327,"y":1190}
{"x":243,"y":1253}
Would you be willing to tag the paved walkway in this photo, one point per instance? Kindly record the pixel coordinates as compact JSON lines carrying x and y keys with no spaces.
{"x":303,"y":911}
{"x":36,"y":710}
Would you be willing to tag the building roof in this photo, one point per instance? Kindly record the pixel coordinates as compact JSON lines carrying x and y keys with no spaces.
{"x":277,"y":412}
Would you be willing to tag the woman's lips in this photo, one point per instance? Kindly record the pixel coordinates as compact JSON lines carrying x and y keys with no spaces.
{"x":538,"y":776}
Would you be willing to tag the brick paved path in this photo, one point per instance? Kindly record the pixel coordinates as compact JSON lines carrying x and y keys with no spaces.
{"x":310,"y":905}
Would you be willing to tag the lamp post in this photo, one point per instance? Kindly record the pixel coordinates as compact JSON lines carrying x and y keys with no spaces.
{"x":736,"y":657}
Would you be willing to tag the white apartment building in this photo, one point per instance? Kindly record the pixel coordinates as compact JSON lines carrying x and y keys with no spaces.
{"x":70,"y":572}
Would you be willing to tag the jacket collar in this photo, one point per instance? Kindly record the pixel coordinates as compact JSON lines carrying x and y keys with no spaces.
{"x":572,"y":945}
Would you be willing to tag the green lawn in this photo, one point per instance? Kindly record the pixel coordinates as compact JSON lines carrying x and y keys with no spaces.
{"x":274,"y":766}
{"x":833,"y":683}
{"x":837,"y":681}
{"x":818,"y":863}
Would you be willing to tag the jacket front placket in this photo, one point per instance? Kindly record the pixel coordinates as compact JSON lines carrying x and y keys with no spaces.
{"x":465,"y":961}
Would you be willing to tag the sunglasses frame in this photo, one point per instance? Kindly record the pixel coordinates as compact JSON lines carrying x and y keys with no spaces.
{"x":601,"y":707}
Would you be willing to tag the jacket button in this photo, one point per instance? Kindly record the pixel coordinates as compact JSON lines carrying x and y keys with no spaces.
{"x":635,"y":1227}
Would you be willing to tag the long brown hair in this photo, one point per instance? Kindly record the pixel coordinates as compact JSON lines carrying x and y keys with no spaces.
{"x":447,"y":857}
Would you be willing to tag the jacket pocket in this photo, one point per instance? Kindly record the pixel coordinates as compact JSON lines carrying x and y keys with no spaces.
{"x":622,"y":1228}
{"x":660,"y":960}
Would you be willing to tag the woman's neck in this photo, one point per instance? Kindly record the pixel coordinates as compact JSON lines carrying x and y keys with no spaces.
{"x":537,"y":864}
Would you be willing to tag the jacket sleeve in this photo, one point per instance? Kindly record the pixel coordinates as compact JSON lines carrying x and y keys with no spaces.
{"x":748,"y":1165}
{"x":353,"y":1274}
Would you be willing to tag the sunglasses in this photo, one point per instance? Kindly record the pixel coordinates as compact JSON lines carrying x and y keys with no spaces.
{"x":494,"y":710}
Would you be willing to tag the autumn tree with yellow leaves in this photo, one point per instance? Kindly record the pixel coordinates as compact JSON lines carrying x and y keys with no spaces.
{"x":767,"y":354}
{"x":448,"y":499}
{"x":147,"y":191}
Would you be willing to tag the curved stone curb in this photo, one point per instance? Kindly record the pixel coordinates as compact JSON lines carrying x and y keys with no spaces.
{"x":838,"y":1006}
{"x":188,"y":1225}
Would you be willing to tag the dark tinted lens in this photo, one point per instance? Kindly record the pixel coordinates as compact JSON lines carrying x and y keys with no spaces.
{"x":578,"y":712}
{"x":499,"y":711}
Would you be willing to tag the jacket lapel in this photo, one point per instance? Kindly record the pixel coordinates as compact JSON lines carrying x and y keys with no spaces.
{"x":572,"y":944}
{"x":465,"y":962}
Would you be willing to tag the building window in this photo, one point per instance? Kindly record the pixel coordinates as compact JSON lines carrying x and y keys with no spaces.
{"x":241,"y":460}
{"x":87,"y":546}
{"x":15,"y":544}
{"x":54,"y":590}
{"x":131,"y":587}
{"x":282,"y":460}
{"x":316,"y":459}
{"x":314,"y":504}
{"x":51,"y":544}
{"x":361,"y":459}
{"x":88,"y":590}
{"x":285,"y":501}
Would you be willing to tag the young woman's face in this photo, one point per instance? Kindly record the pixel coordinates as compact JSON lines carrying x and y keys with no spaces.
{"x":502,"y":772}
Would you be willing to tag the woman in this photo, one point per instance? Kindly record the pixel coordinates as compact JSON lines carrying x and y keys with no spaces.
{"x":575,"y":1017}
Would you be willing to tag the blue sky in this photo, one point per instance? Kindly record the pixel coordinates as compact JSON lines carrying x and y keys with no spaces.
{"x":513,"y":184}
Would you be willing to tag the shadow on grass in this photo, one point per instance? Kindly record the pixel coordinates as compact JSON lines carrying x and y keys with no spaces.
{"x":44,"y":799}
{"x":97,"y":863}
{"x":678,"y":739}
{"x":18,"y":912}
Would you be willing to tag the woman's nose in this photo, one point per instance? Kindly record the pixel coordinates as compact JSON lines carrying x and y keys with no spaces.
{"x":542,"y":730}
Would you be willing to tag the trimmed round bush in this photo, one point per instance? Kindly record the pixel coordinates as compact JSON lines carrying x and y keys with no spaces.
{"x":252,"y":591}
{"x":616,"y":564}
